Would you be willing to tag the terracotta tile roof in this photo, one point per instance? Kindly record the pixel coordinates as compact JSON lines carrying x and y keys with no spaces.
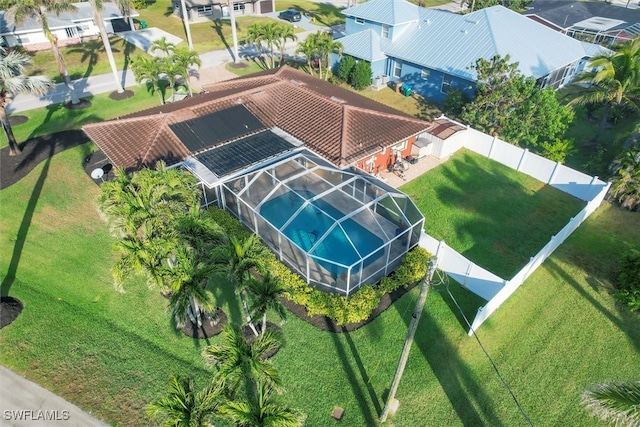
{"x":338,"y":124}
{"x":137,"y":142}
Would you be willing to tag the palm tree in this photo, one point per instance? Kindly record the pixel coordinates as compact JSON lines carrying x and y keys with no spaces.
{"x":626,"y":187}
{"x":150,"y":71}
{"x":183,"y":59}
{"x":190,"y":264}
{"x":149,"y":197}
{"x":164,"y":46}
{"x":12,"y":82}
{"x":615,"y":80}
{"x":237,"y":258}
{"x":320,"y":46}
{"x":240,"y":362}
{"x":96,"y":7}
{"x":266,"y":295}
{"x":38,"y":10}
{"x":185,"y":406}
{"x":141,"y":209}
{"x":618,"y":402}
{"x":187,"y":278}
{"x":285,"y":32}
{"x":260,"y":410}
{"x":309,"y":49}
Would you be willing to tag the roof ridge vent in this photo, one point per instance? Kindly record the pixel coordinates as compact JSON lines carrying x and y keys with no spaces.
{"x":471,"y":20}
{"x":260,"y":92}
{"x":297,"y":82}
{"x":338,"y":100}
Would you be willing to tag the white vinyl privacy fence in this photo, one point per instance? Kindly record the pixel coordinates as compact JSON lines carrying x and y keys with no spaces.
{"x":487,"y":285}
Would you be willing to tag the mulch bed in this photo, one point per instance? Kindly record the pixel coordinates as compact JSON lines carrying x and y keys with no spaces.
{"x":249,"y":336}
{"x":209,"y":327}
{"x":326,"y":324}
{"x":10,"y":309}
{"x":126,"y":94}
{"x":18,"y":120}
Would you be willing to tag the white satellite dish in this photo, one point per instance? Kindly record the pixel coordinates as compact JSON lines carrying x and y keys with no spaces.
{"x":97,"y":173}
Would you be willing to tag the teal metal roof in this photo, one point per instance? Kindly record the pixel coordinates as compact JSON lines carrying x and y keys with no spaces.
{"x":389,"y":12}
{"x":452,"y":43}
{"x":366,"y":44}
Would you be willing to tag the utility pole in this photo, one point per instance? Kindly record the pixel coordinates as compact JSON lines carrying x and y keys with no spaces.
{"x":422,"y":299}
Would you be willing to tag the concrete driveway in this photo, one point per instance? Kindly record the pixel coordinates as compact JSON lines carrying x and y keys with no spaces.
{"x":142,"y":39}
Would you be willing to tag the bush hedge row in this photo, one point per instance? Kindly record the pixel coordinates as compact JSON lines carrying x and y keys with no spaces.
{"x":343,"y":310}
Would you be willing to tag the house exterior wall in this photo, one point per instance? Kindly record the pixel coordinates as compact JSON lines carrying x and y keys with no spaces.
{"x":352,"y":27}
{"x":215,"y":11}
{"x":428,"y":82}
{"x":37,"y":40}
{"x":381,"y":161}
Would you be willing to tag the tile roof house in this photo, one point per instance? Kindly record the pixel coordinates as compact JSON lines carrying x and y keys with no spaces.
{"x":341,"y":126}
{"x":69,"y":27}
{"x":280,"y":150}
{"x":433,"y":50}
{"x":206,"y":10}
{"x":595,"y":22}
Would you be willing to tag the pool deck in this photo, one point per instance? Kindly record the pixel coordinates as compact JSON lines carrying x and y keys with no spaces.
{"x":424,"y":164}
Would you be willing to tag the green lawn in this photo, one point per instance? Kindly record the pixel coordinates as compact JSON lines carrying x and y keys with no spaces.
{"x":491,"y":214}
{"x":83,"y":60}
{"x":110,"y":353}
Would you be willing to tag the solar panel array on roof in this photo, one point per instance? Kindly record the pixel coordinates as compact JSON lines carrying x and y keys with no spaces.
{"x":212,"y":129}
{"x":244,"y":152}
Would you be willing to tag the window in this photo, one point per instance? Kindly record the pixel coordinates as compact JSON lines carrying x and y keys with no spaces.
{"x":204,"y":10}
{"x":446,"y":83}
{"x":238,"y":6}
{"x":385,"y":31}
{"x":359,"y":21}
{"x":397,"y":69}
{"x":400,"y":147}
{"x":425,"y":74}
{"x":72,"y":32}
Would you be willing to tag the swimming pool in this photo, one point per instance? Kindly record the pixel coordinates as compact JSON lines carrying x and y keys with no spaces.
{"x":311,"y":224}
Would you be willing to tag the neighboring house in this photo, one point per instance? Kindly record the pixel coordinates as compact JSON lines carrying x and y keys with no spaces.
{"x":594,"y":22}
{"x":434,"y":50}
{"x":69,"y":27}
{"x":206,"y":10}
{"x":286,"y":153}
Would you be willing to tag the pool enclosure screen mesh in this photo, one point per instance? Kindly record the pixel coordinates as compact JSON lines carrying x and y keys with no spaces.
{"x":338,"y":229}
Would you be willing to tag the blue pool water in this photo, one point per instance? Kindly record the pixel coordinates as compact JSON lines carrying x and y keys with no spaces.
{"x":311,"y":224}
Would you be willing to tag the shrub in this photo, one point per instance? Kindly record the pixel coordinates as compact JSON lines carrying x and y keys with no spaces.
{"x":628,"y":281}
{"x":228,"y":222}
{"x":360,"y":76}
{"x":558,"y":150}
{"x":344,"y":68}
{"x":454,"y":102}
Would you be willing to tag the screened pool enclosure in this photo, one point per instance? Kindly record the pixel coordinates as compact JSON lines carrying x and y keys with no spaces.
{"x":338,"y":229}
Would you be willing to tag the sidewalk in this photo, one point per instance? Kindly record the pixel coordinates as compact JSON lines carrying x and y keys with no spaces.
{"x":26,"y":404}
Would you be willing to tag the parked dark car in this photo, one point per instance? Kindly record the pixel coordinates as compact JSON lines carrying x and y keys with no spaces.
{"x":290,"y":15}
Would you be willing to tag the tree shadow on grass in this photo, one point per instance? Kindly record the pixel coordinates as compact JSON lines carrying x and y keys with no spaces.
{"x":351,"y":375}
{"x":465,"y":394}
{"x":217,"y":26}
{"x":624,"y":320}
{"x":23,"y":230}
